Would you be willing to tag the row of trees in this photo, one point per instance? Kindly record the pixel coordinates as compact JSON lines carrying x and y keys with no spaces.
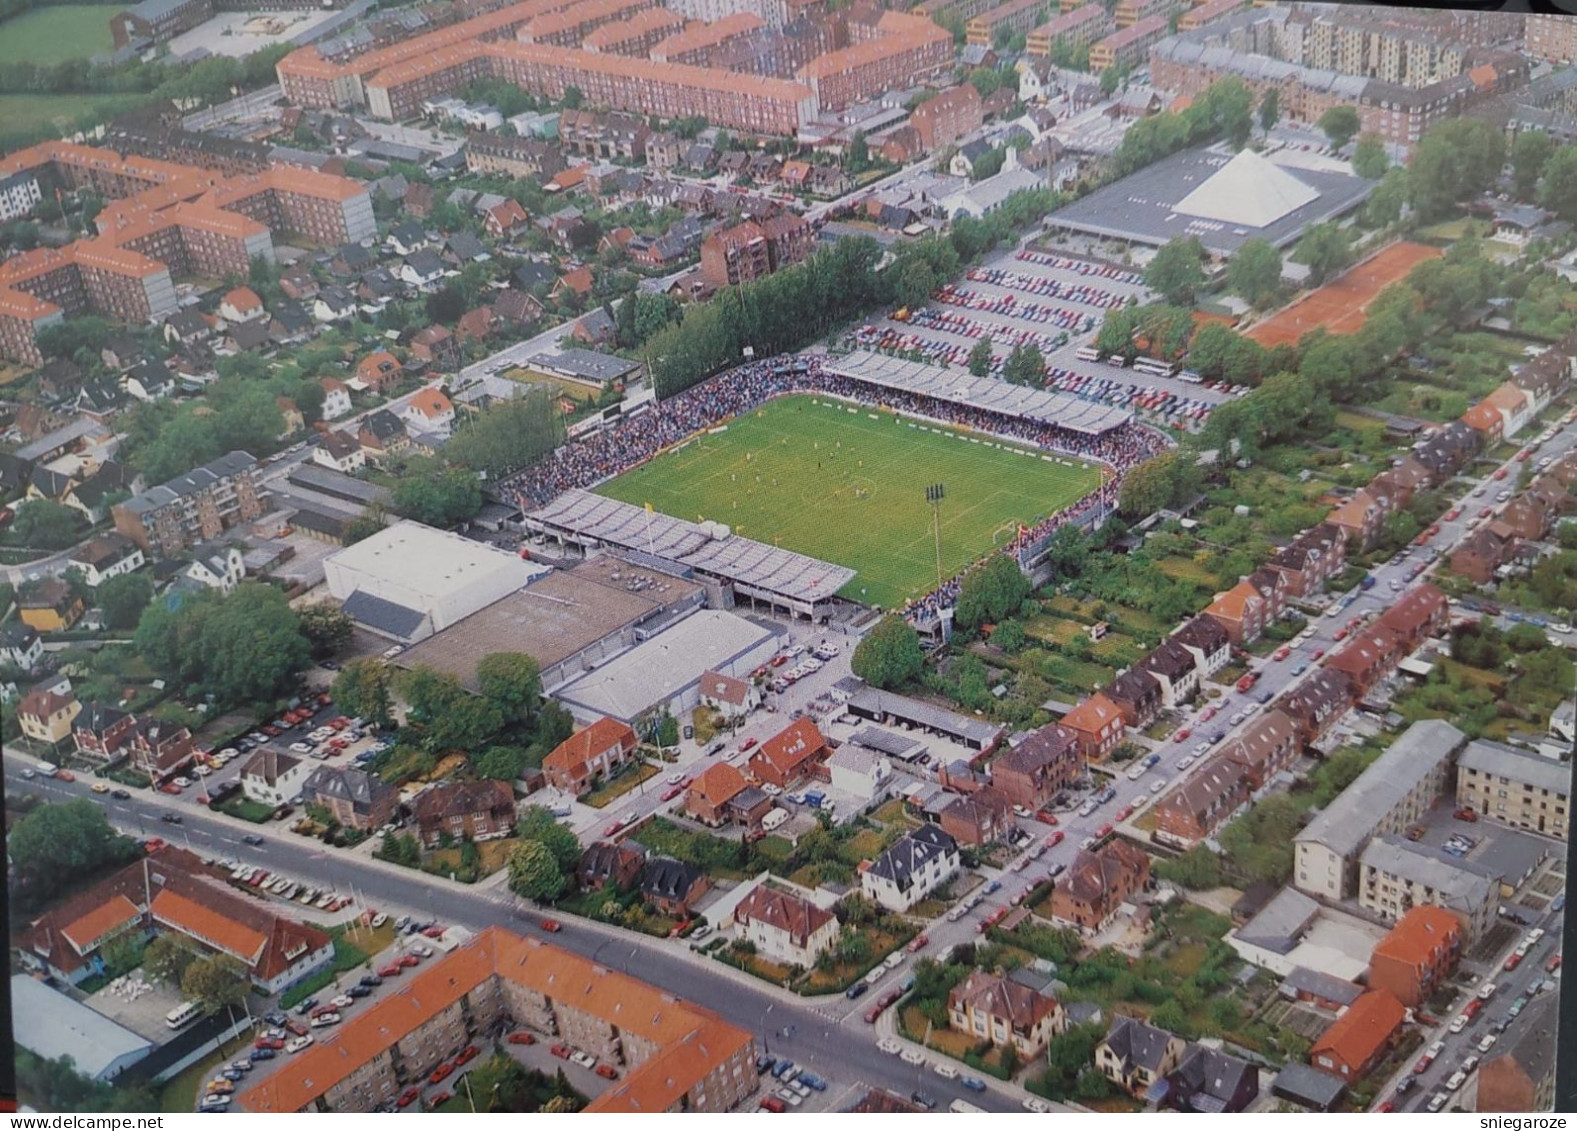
{"x":245,"y":647}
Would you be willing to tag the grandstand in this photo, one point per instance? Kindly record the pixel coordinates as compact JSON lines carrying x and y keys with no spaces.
{"x":916,"y":378}
{"x":783,"y":580}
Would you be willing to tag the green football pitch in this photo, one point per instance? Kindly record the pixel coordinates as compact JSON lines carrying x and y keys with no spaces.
{"x":848,"y":485}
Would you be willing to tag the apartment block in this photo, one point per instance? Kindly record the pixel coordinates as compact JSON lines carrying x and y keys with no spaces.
{"x":697,"y":44}
{"x":512,"y":156}
{"x":673,"y":1056}
{"x":1127,"y":47}
{"x":192,"y":508}
{"x":1016,"y":16}
{"x":19,"y":195}
{"x":775,"y":13}
{"x":1551,"y":38}
{"x":1396,"y":875}
{"x":755,"y":249}
{"x":1417,"y":955}
{"x":568,"y":26}
{"x":1515,"y":787}
{"x":1397,"y":788}
{"x":1208,"y":12}
{"x":942,"y":120}
{"x":1130,"y":12}
{"x":1083,"y":25}
{"x":904,"y":51}
{"x":634,"y":35}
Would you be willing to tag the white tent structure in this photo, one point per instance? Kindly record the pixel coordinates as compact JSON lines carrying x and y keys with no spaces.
{"x":1247,"y":192}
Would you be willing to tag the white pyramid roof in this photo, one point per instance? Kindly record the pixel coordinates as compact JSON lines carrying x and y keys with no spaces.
{"x":1247,"y":192}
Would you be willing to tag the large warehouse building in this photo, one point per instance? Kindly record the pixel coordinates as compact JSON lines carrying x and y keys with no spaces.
{"x":409,"y":581}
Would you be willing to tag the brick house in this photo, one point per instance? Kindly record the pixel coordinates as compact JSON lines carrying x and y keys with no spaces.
{"x":1097,"y":726}
{"x":1316,"y":705}
{"x":1481,"y":553}
{"x":1241,"y":611}
{"x":591,"y":751}
{"x":998,"y":1010}
{"x":465,"y":810}
{"x":100,"y":731}
{"x":1528,"y":516}
{"x":942,"y":120}
{"x":1089,"y":894}
{"x":789,"y":754}
{"x":786,"y":928}
{"x":672,"y":886}
{"x":610,"y":864}
{"x":1361,"y":517}
{"x":1174,"y":669}
{"x":354,"y":798}
{"x":1312,"y":559}
{"x":1520,"y":1075}
{"x":1196,"y":808}
{"x":1359,"y":1039}
{"x":1368,"y":658}
{"x":1137,"y":694}
{"x":1421,"y":612}
{"x":1486,"y":422}
{"x":1265,"y":748}
{"x":710,"y":792}
{"x":1417,"y":954}
{"x":1033,"y":772}
{"x":378,"y":370}
{"x":977,"y":818}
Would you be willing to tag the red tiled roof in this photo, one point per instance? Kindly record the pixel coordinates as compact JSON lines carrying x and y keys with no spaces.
{"x":1360,"y":1033}
{"x":588,"y":743}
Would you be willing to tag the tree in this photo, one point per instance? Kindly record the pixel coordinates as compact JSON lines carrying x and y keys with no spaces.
{"x":508,"y":436}
{"x":1008,"y":636}
{"x":1340,"y":124}
{"x":216,"y":982}
{"x":992,"y":592}
{"x":980,"y":358}
{"x":1388,"y":199}
{"x":534,"y":874}
{"x":1025,"y":366}
{"x":1325,"y":250}
{"x":512,"y":681}
{"x":243,"y":647}
{"x":124,"y":598}
{"x":46,"y":524}
{"x":504,"y":763}
{"x":445,"y":306}
{"x":436,"y":495}
{"x":58,"y":843}
{"x":666,"y":732}
{"x":166,"y":959}
{"x":1254,"y":272}
{"x":857,"y":159}
{"x":328,"y":630}
{"x":1558,"y":192}
{"x":889,"y":655}
{"x":1528,"y":156}
{"x":1177,"y":271}
{"x":913,"y":284}
{"x":1196,"y":869}
{"x":445,"y":714}
{"x":1368,"y":158}
{"x":122,"y":954}
{"x":538,"y":823}
{"x":1156,"y":483}
{"x":1270,"y":109}
{"x":1454,"y":161}
{"x":1329,"y":367}
{"x":362,"y":689}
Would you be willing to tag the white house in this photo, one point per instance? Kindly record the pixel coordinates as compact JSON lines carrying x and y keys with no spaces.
{"x":860,"y":771}
{"x":241,"y":305}
{"x":20,"y":645}
{"x":786,"y":928}
{"x":217,"y":567}
{"x":429,"y":410}
{"x":911,"y":869}
{"x":272,"y":778}
{"x":333,"y":304}
{"x":109,"y":555}
{"x":336,"y":398}
{"x":341,"y":452}
{"x":732,"y":698}
{"x":1037,"y":79}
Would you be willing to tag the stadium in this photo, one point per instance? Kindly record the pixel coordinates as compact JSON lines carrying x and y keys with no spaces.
{"x":800,"y":483}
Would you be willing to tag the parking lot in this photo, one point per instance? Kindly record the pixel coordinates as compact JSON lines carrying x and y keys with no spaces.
{"x":1055,"y":303}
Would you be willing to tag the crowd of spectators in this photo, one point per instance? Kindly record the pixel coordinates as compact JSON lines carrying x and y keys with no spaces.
{"x":626,"y":444}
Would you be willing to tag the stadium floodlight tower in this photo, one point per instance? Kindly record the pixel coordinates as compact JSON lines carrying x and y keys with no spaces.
{"x":934,"y":495}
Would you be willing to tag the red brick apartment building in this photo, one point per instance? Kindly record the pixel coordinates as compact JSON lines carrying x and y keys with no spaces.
{"x":696,"y":45}
{"x":673,"y":1056}
{"x":900,"y":52}
{"x":164,"y":218}
{"x":568,"y":26}
{"x":635,"y":35}
{"x":942,"y":120}
{"x":1417,"y":954}
{"x":755,"y":249}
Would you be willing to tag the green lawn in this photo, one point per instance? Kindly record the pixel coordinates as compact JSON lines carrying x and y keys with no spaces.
{"x":19,"y":112}
{"x":56,"y":33}
{"x":850,"y":487}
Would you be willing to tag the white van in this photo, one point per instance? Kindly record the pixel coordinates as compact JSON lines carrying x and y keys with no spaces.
{"x":774,"y":819}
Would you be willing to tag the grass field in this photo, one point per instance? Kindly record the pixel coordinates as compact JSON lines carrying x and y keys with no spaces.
{"x":849,"y":486}
{"x":56,"y":33}
{"x":21,"y":112}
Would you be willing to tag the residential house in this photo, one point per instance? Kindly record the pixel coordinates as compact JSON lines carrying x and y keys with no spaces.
{"x":612,"y":865}
{"x":1527,"y":516}
{"x":911,"y":869}
{"x":354,"y":798}
{"x":109,"y":555}
{"x":1361,"y":517}
{"x":1032,"y":772}
{"x":216,"y":566}
{"x":672,"y":886}
{"x":340,"y":451}
{"x":517,"y":308}
{"x":789,"y":754}
{"x":1210,"y":1081}
{"x":1208,"y":642}
{"x":1265,"y":748}
{"x":245,"y":337}
{"x":1007,"y":1014}
{"x":732,"y":698}
{"x":1482,"y":552}
{"x":20,"y":645}
{"x":378,"y":371}
{"x":422,"y":269}
{"x":1418,"y":954}
{"x":50,"y":605}
{"x":101,"y":732}
{"x":465,"y":810}
{"x":428,"y":410}
{"x":272,"y":778}
{"x":1515,"y":787}
{"x":709,"y":794}
{"x":241,"y":305}
{"x":1316,"y":704}
{"x":1135,"y":1056}
{"x":591,"y":752}
{"x":408,"y":237}
{"x":291,"y":416}
{"x":464,"y":247}
{"x":336,"y":398}
{"x":1420,"y":613}
{"x":45,"y":714}
{"x":1097,"y":726}
{"x":382,"y":434}
{"x":476,"y":324}
{"x":1486,"y":422}
{"x":1368,"y":658}
{"x":1312,"y":559}
{"x":1519,"y":1076}
{"x":333,"y":304}
{"x":1174,"y":668}
{"x":1359,"y":1039}
{"x":1242,"y":611}
{"x":1101,"y":880}
{"x":786,"y":928}
{"x":977,"y":818}
{"x":1137,"y":694}
{"x":860,"y":773}
{"x":1199,"y":805}
{"x":503,"y":220}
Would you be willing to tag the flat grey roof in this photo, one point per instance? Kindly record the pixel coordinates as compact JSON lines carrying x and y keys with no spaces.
{"x":1349,"y":820}
{"x":768,"y":569}
{"x":1518,"y":765}
{"x":923,"y":714}
{"x":1141,"y":208}
{"x":56,"y":1026}
{"x":315,"y":477}
{"x":662,"y":667}
{"x":585,"y":364}
{"x":941,"y":383}
{"x":885,"y":742}
{"x":1281,"y":922}
{"x":66,"y":434}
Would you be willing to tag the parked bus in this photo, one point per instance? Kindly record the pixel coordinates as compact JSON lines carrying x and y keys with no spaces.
{"x":183,"y":1015}
{"x":1154,"y":367}
{"x":1088,"y":353}
{"x":964,"y":1106}
{"x":1192,"y":378}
